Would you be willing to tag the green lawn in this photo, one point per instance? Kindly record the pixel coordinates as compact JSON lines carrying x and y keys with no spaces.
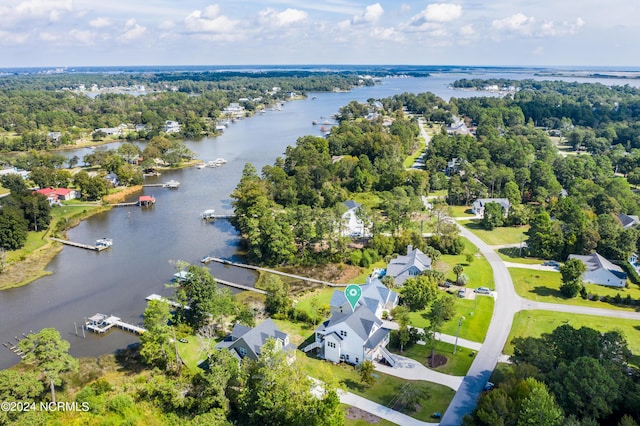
{"x":362,"y":278}
{"x":512,"y":254}
{"x":534,"y":323}
{"x":479,"y":271}
{"x":193,"y":351}
{"x":457,"y":365}
{"x":439,"y":193}
{"x":367,"y":199}
{"x":408,"y":162}
{"x":477,"y":314}
{"x":361,"y":422}
{"x":460,"y":211}
{"x":544,"y":286}
{"x":383,"y":391}
{"x":502,"y":235}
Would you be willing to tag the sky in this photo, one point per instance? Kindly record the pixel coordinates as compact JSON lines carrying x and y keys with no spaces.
{"x":59,"y":33}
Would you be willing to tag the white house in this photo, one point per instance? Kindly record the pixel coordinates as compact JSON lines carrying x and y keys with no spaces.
{"x":480,"y":203}
{"x":601,"y":271}
{"x":351,"y":224}
{"x":354,"y":336}
{"x":403,"y":267}
{"x":171,"y":126}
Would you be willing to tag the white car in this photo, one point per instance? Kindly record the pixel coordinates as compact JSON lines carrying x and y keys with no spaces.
{"x":483,"y":290}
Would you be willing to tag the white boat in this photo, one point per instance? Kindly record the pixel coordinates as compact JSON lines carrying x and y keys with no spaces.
{"x":220,"y":160}
{"x":201,"y":165}
{"x":208,"y":214}
{"x":104,"y":242}
{"x":172,"y":184}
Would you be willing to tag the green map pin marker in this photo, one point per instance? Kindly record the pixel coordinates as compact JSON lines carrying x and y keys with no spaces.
{"x":353,"y":293}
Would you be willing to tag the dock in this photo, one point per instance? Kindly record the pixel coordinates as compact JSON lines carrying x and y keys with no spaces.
{"x":240,"y":286}
{"x":208,"y":259}
{"x":101,"y":323}
{"x":166,"y":300}
{"x":80,"y":245}
{"x":172,"y":184}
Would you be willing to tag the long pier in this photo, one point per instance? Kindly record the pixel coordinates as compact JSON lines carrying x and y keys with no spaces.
{"x":101,"y":323}
{"x":208,"y":259}
{"x":133,"y":203}
{"x":240,"y":286}
{"x":80,"y":245}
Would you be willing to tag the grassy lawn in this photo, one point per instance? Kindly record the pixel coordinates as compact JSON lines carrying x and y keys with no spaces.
{"x":193,"y":351}
{"x":298,"y":331}
{"x":512,"y":254}
{"x":543,"y":286}
{"x":439,"y":193}
{"x":362,"y":278}
{"x":479,"y":271}
{"x":367,"y":199}
{"x":457,"y":365}
{"x":408,"y":162}
{"x":362,"y":422}
{"x":477,"y":314}
{"x":502,"y":235}
{"x":461,"y":211}
{"x":534,"y":323}
{"x":383,"y":391}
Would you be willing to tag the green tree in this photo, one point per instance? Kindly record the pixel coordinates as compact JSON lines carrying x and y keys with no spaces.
{"x":539,"y":407}
{"x":572,"y":272}
{"x":155,"y":346}
{"x":276,"y":392}
{"x":365,"y":371}
{"x":13,"y":228}
{"x":493,"y":216}
{"x":442,"y":309}
{"x":417,"y":292}
{"x":278,"y":300}
{"x":458,"y":269}
{"x":50,"y":355}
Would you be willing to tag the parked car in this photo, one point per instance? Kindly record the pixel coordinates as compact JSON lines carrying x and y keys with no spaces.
{"x":461,"y":293}
{"x":488,"y":386}
{"x":483,"y":290}
{"x":551,"y":263}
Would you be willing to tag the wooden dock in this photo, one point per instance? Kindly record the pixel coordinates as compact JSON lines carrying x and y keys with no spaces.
{"x":164,"y":299}
{"x":133,"y":203}
{"x":208,"y":259}
{"x":101,"y":323}
{"x":240,"y":286}
{"x":80,"y":245}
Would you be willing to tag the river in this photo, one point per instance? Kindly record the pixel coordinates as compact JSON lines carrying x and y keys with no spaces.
{"x":116,"y":281}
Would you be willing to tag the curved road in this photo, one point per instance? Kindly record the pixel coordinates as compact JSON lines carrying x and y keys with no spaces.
{"x":506,"y":306}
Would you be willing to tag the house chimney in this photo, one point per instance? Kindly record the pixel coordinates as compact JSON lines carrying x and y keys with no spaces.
{"x":409,"y":248}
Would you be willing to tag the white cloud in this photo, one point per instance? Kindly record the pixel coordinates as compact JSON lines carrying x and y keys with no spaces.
{"x":9,"y":38}
{"x":166,"y":25}
{"x":518,"y":23}
{"x":404,"y":7}
{"x":83,"y":37}
{"x":51,"y":9}
{"x":467,"y":31}
{"x":550,"y":28}
{"x":371,"y":14}
{"x":442,"y":12}
{"x":100,"y":22}
{"x":272,"y":18}
{"x":45,"y":36}
{"x":209,"y":21}
{"x":132,"y":31}
{"x":387,"y":34}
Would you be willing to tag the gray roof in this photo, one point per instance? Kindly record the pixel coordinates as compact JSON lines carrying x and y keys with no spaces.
{"x":254,"y":338}
{"x":351,"y":204}
{"x":377,"y":337}
{"x":594,"y":261}
{"x":401,"y":264}
{"x":373,"y":293}
{"x":627,"y":220}
{"x":361,"y":321}
{"x":504,"y":202}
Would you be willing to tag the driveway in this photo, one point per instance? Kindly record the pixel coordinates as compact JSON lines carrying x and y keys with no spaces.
{"x":409,"y":369}
{"x":537,"y":267}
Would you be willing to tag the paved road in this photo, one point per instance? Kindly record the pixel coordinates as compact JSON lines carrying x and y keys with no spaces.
{"x":487,"y":357}
{"x":535,"y":266}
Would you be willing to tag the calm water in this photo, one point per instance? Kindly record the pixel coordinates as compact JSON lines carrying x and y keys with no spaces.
{"x":117,"y":280}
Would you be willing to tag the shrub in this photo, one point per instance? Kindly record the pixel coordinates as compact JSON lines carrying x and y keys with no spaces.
{"x":617,"y":298}
{"x":628,"y":300}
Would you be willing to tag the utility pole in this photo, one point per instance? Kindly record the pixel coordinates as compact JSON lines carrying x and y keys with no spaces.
{"x":455,"y":346}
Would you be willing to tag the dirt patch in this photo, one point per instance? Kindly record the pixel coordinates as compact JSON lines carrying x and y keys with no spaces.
{"x":335,"y":273}
{"x":120,"y":196}
{"x":438,"y":361}
{"x":354,"y":413}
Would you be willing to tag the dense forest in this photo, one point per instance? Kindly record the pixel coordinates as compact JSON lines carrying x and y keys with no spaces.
{"x":33,"y":106}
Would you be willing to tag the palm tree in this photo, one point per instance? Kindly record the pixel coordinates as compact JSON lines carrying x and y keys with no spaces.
{"x":458,"y":269}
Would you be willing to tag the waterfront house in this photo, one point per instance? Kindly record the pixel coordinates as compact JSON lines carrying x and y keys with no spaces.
{"x":404,"y":267}
{"x":55,"y":195}
{"x":171,"y":126}
{"x":601,"y":271}
{"x":351,"y":224}
{"x":245,"y":342}
{"x":113,"y":179}
{"x":355,"y":335}
{"x":479,"y":205}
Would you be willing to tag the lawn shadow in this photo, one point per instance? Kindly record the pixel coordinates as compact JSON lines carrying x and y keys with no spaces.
{"x":547,"y":292}
{"x":353,"y":385}
{"x":513,"y":252}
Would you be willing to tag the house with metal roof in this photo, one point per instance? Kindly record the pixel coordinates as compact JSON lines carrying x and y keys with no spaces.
{"x":375,"y":296}
{"x":601,"y":271}
{"x":412,"y":264}
{"x":352,"y":225}
{"x":246,"y":342}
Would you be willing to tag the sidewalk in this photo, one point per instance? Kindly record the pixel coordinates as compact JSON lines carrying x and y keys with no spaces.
{"x":380,"y":410}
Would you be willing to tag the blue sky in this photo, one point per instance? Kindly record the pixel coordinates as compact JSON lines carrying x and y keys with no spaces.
{"x":194,"y":32}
